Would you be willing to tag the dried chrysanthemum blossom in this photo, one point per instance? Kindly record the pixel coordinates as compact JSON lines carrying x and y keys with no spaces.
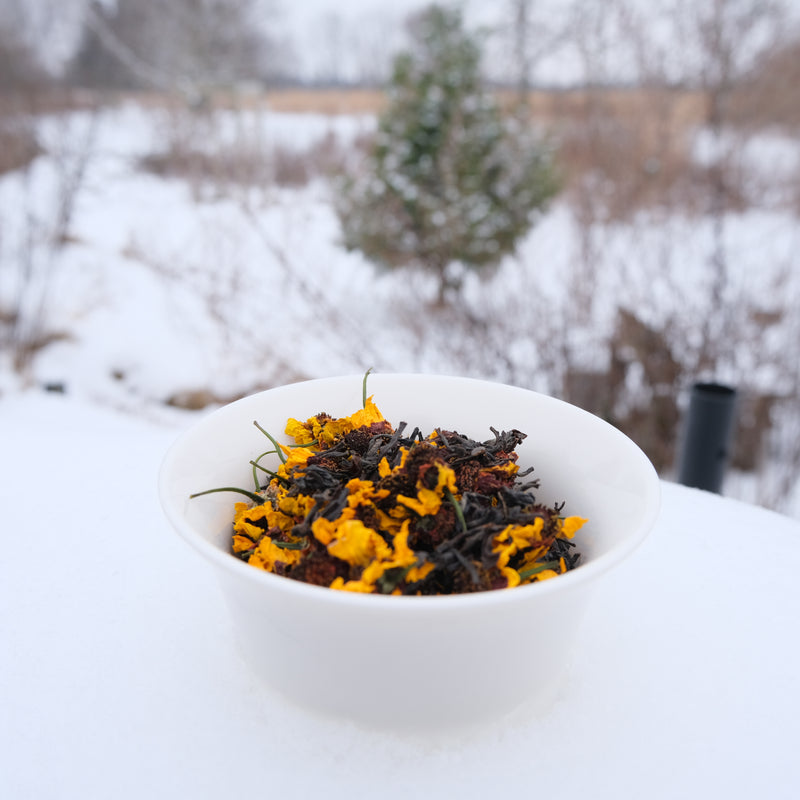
{"x":359,"y":506}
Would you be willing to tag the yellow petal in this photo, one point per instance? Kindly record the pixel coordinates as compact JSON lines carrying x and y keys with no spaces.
{"x":505,"y":556}
{"x":241,"y":543}
{"x":267,"y":554}
{"x":357,"y":544}
{"x":571,"y":524}
{"x":391,"y":523}
{"x":363,"y":493}
{"x":531,"y":557}
{"x":514,"y":538}
{"x":296,"y":507}
{"x":512,"y":576}
{"x":301,"y":432}
{"x":367,"y":415}
{"x":426,"y":502}
{"x":352,"y":586}
{"x":245,"y":517}
{"x":324,"y":530}
{"x":418,"y":573}
{"x":403,"y":554}
{"x":509,"y":468}
{"x":373,"y":571}
{"x":296,"y":456}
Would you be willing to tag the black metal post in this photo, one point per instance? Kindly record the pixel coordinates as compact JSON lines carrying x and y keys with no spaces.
{"x":707,"y":436}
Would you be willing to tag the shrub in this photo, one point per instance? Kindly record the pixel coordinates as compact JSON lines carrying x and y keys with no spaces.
{"x":449,"y":181}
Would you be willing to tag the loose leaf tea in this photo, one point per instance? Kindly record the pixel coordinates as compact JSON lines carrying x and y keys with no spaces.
{"x":361,"y":506}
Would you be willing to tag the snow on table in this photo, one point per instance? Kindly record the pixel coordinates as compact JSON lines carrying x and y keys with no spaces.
{"x":119,"y":676}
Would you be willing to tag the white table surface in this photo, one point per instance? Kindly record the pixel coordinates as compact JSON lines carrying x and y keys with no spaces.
{"x":119,"y":677}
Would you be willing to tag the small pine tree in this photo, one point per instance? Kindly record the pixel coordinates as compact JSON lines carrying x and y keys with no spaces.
{"x":449,"y":181}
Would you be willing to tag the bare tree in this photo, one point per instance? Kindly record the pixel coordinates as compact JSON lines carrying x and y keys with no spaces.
{"x":723,"y":40}
{"x":333,"y":45}
{"x":529,"y":32}
{"x":36,"y":245}
{"x":188,"y":45}
{"x":371,"y":42}
{"x":43,"y":27}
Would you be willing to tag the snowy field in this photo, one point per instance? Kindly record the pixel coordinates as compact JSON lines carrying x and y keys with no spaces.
{"x":198,"y":291}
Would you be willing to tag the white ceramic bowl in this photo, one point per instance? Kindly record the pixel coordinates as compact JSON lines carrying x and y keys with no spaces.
{"x":415,"y":661}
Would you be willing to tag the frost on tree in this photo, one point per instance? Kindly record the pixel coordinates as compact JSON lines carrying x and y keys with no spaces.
{"x":450,"y":183}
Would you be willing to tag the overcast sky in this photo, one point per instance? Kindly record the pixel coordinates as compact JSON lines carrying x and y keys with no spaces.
{"x":311,"y":24}
{"x":348,"y":39}
{"x":365,"y":25}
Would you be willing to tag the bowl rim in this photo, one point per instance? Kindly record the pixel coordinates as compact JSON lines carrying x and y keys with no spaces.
{"x":583,"y":574}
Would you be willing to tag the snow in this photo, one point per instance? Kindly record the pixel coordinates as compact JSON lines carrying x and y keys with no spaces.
{"x":169,"y":287}
{"x":120,"y":675}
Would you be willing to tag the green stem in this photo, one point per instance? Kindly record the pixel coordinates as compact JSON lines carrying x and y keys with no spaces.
{"x":364,"y":388}
{"x":457,"y":508}
{"x":269,"y":472}
{"x":299,"y":545}
{"x":256,"y":464}
{"x":531,"y":571}
{"x":256,"y":498}
{"x":278,"y":449}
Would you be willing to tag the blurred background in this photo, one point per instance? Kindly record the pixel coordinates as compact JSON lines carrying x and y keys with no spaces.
{"x":597,"y":199}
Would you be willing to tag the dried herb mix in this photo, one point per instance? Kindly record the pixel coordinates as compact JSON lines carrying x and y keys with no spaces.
{"x":361,"y":506}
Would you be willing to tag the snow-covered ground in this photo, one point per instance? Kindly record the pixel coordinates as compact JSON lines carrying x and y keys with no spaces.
{"x":120,"y":676}
{"x":170,"y":287}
